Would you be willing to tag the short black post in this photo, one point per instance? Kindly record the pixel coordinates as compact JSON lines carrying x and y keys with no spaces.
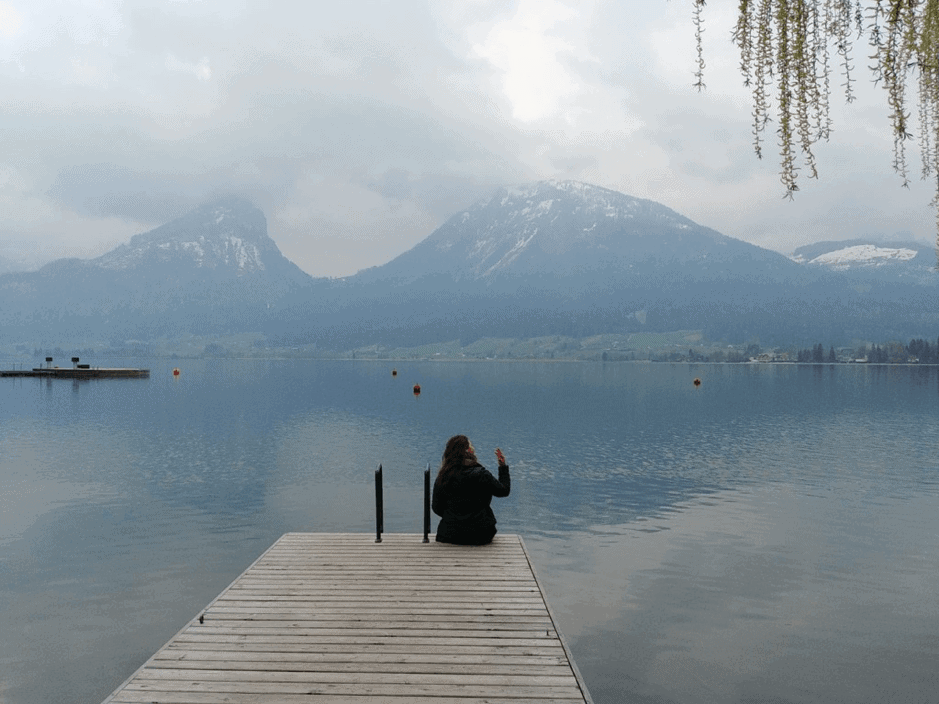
{"x":379,"y":507}
{"x":427,"y":504}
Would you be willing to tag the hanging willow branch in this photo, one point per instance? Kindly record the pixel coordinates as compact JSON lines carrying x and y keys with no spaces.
{"x":786,"y":51}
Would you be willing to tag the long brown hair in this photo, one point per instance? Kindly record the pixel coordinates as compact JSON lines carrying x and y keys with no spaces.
{"x":454,"y":453}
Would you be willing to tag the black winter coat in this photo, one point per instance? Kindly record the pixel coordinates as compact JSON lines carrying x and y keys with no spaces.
{"x":462,"y":502}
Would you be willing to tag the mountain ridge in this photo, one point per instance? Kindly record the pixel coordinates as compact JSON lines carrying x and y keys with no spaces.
{"x":550,"y":257}
{"x":566,"y":228}
{"x":197,"y":272}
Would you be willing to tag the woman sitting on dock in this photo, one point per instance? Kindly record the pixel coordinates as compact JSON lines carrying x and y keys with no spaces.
{"x":462,"y":494}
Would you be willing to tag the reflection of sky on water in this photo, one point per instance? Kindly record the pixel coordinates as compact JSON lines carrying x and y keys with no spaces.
{"x":725,"y":539}
{"x":764,"y":594}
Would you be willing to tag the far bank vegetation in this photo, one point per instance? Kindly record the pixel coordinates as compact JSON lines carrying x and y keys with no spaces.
{"x":688,"y":346}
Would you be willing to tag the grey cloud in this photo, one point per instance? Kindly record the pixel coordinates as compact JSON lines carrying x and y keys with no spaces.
{"x":104,"y":190}
{"x":264,"y":144}
{"x":301,"y":106}
{"x":439,"y":194}
{"x":575,"y":164}
{"x":702,"y":139}
{"x":110,"y":190}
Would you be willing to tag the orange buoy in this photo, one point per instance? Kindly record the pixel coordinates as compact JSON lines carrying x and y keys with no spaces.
{"x":697,"y":382}
{"x":176,"y":372}
{"x":417,"y":389}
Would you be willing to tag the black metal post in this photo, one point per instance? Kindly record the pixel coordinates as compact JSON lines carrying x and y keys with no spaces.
{"x":379,"y":507}
{"x":427,"y":504}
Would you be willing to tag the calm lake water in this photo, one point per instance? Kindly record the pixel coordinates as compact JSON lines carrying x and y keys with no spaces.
{"x":771,"y":535}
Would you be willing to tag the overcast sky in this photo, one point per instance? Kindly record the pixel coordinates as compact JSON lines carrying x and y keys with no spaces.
{"x":360,"y":127}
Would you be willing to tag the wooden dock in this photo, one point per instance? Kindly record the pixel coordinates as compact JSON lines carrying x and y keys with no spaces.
{"x":341,"y":619}
{"x":79,"y":373}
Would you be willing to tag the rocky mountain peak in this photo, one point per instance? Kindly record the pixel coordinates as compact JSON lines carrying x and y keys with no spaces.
{"x":556,"y":227}
{"x":537,"y":199}
{"x":567,"y":215}
{"x":228,"y":234}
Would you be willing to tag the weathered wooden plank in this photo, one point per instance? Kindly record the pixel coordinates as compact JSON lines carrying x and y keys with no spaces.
{"x":476,"y":671}
{"x":277,"y":662}
{"x":437,"y":641}
{"x":431,"y":628}
{"x":368,"y":607}
{"x":209,"y":698}
{"x":484,"y":660}
{"x":314,"y":615}
{"x":401,"y":575}
{"x":427,"y":599}
{"x":369,"y":580}
{"x":346,"y":619}
{"x":445,"y":600}
{"x":386,"y":585}
{"x":256,"y":631}
{"x":243,"y":610}
{"x":288,"y":562}
{"x":236,"y":678}
{"x":406,"y":689}
{"x":374,"y":609}
{"x":548,"y":649}
{"x":307,"y":621}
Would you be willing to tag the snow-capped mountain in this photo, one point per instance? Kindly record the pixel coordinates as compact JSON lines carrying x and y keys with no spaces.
{"x":561,"y":228}
{"x":225,"y":237}
{"x":526,"y":227}
{"x":861,"y":255}
{"x":572,"y":258}
{"x":219,"y":241}
{"x":214,"y":268}
{"x":549,"y":258}
{"x":871,"y":259}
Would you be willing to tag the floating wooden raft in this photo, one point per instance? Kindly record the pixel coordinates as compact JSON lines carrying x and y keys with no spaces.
{"x":342,"y":619}
{"x":80,"y":373}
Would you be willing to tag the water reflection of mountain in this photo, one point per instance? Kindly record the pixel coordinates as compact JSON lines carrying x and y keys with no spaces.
{"x":590,"y":444}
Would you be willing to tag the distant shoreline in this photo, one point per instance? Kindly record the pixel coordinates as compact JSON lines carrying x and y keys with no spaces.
{"x":680,"y":346}
{"x":476,"y":360}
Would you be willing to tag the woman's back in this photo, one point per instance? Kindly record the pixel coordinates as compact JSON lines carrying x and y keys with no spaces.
{"x":462,"y":496}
